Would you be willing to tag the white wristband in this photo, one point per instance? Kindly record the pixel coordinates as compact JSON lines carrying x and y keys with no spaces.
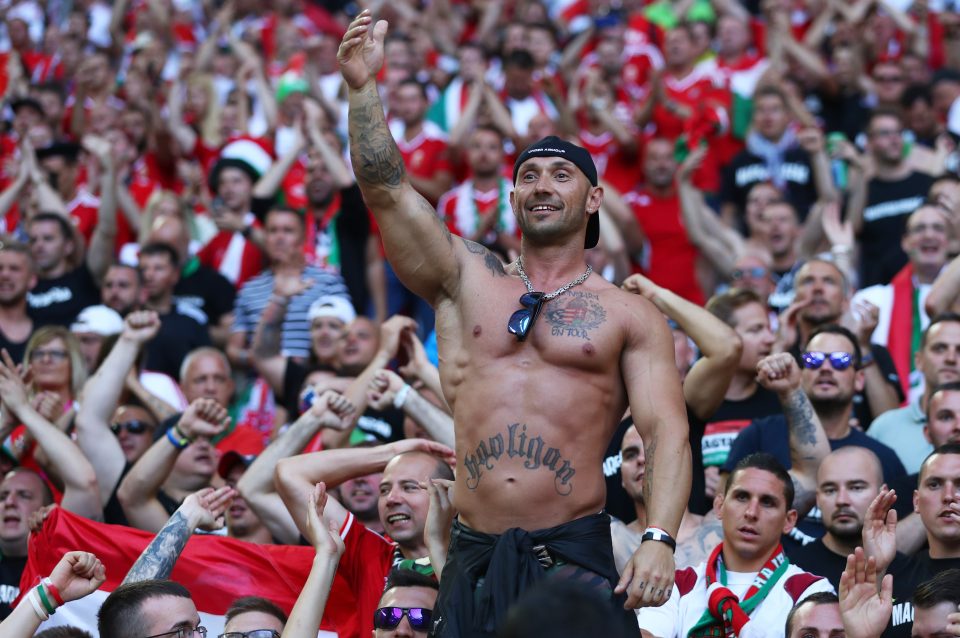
{"x":33,"y":597}
{"x":401,"y":396}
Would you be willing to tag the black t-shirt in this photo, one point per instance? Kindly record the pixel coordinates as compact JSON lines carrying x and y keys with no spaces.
{"x":352,"y":227}
{"x":11,"y":568}
{"x":207,"y":290}
{"x":889,"y":203}
{"x":906,"y":578}
{"x":58,"y":301}
{"x":384,"y":426}
{"x":16,"y":350}
{"x":748,"y":169}
{"x":179,"y":334}
{"x":818,"y":559}
{"x":731,"y":417}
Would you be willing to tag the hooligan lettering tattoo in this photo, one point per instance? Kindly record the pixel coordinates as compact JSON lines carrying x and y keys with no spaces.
{"x":575,"y":314}
{"x":516,"y":442}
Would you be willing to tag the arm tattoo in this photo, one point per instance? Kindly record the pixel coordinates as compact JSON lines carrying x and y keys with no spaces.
{"x":651,"y":454}
{"x":491,"y":261}
{"x":376,"y":158}
{"x":800,"y":418}
{"x":427,"y":209}
{"x":803,"y":498}
{"x":157,"y":560}
{"x":271,"y":334}
{"x":697,"y":548}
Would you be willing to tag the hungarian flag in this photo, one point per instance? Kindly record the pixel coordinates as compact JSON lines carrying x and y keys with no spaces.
{"x":217,"y":570}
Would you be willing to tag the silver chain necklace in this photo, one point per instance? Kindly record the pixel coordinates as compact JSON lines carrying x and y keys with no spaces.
{"x":559,"y":291}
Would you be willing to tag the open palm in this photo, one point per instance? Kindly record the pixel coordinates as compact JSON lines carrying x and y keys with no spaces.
{"x":361,"y":51}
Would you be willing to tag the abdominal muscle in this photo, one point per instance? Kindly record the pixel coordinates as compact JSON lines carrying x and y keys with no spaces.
{"x":530,"y":446}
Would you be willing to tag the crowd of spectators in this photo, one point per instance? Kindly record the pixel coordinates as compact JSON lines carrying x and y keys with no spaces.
{"x":199,"y":324}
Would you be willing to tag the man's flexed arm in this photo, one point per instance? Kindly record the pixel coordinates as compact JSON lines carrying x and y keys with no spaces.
{"x":656,"y":401}
{"x":417,"y":242}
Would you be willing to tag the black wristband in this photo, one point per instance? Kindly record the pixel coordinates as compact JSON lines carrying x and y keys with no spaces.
{"x":654,"y":534}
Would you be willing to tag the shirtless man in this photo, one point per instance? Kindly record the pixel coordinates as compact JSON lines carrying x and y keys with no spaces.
{"x":535,"y":403}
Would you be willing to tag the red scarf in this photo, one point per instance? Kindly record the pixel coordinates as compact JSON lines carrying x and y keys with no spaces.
{"x":900,"y":336}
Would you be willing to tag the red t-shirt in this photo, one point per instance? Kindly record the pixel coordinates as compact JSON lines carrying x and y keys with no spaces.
{"x":366,"y":561}
{"x":671,"y":259}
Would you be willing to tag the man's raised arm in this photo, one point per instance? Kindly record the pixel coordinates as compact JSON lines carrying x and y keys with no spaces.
{"x":418,"y":244}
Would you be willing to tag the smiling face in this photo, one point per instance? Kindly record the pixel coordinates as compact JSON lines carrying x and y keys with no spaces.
{"x":926,"y":238}
{"x":357,"y":346}
{"x":550,"y":199}
{"x":360,"y":495}
{"x":754,"y":514}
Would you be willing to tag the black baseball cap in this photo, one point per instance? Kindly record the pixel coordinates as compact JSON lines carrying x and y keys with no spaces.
{"x":553,"y":146}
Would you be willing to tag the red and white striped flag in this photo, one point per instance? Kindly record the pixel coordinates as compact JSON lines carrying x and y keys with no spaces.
{"x":217,"y":570}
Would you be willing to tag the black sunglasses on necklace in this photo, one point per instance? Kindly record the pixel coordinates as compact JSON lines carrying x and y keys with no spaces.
{"x":521,"y":321}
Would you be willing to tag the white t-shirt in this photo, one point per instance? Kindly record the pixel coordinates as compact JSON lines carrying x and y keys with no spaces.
{"x":689,"y":600}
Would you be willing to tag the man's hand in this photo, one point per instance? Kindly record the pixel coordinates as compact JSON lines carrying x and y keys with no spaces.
{"x":334,"y":410}
{"x":640,"y":285}
{"x":391,"y":333}
{"x":692,"y":163}
{"x":880,"y":529}
{"x":810,"y":139}
{"x":436,"y":533}
{"x":838,"y":232}
{"x":779,"y":373}
{"x":290,"y":284}
{"x":439,"y":450}
{"x":100,"y":148}
{"x":648,"y":578}
{"x":204,"y":509}
{"x":322,"y":534}
{"x":78,"y":574}
{"x":866,"y":316}
{"x":35,"y":522}
{"x":417,"y":361}
{"x":383,"y":388}
{"x":204,"y":418}
{"x":361,"y":51}
{"x":865,"y":607}
{"x":787,"y":323}
{"x":141,"y":326}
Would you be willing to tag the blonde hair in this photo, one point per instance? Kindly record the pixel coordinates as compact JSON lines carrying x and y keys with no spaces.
{"x":78,"y":369}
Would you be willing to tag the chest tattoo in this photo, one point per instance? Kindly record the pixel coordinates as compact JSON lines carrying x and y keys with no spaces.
{"x":516,"y":442}
{"x":575,"y":314}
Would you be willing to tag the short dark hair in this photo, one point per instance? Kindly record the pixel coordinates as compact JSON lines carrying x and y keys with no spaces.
{"x":724,"y":305}
{"x":520,"y":59}
{"x":883,"y":111}
{"x":770,"y":91}
{"x":411,"y":80}
{"x":155,"y":248}
{"x":942,"y":588}
{"x":949,"y":386}
{"x":136,"y":271}
{"x":67,"y":631}
{"x":940,"y":318}
{"x":287,"y":211}
{"x":66,"y":230}
{"x":768,"y":463}
{"x":246,"y":604}
{"x":400,"y":577}
{"x":916,"y":93}
{"x":947,"y":448}
{"x":818,"y":598}
{"x":837,"y":329}
{"x":120,"y":614}
{"x":844,"y":282}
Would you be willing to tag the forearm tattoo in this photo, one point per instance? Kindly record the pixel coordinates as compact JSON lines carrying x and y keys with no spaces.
{"x":800,"y":418}
{"x":158,"y":559}
{"x":375,"y":156}
{"x":516,"y":442}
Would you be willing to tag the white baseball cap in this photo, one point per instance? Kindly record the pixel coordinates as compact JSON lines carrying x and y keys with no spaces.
{"x":332,"y":306}
{"x":100,"y":319}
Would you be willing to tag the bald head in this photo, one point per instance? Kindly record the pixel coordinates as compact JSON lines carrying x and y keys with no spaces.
{"x":851,"y":460}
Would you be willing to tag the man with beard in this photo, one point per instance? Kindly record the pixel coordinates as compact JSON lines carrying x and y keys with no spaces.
{"x":822,"y":297}
{"x":479,"y":209}
{"x":848,"y":481}
{"x":938,"y":360}
{"x":16,"y":278}
{"x":830,"y":377}
{"x":122,"y":289}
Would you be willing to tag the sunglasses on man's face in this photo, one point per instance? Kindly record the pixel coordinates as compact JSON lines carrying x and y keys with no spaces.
{"x":132,"y":427}
{"x":838,"y":360}
{"x":521,"y":322}
{"x":756,"y":272}
{"x":256,"y":633}
{"x":390,"y":617}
